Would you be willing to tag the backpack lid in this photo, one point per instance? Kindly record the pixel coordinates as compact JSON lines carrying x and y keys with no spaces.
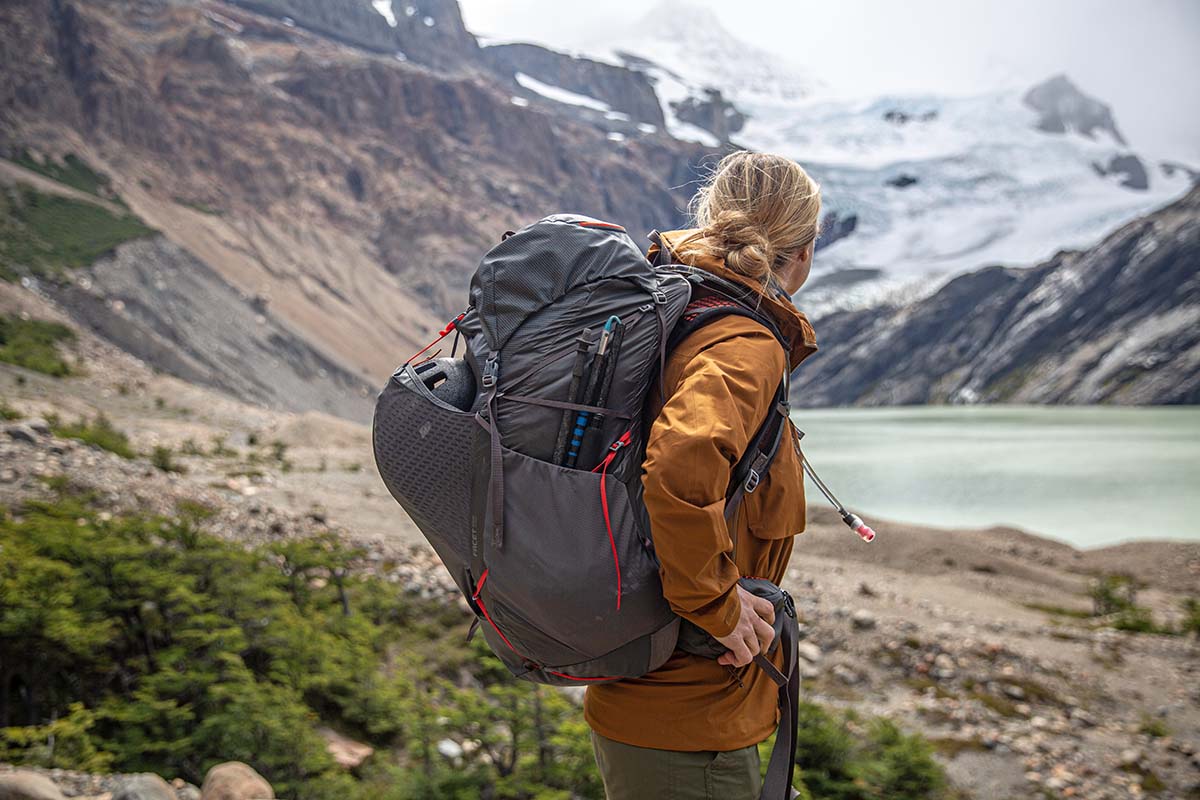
{"x":544,"y":261}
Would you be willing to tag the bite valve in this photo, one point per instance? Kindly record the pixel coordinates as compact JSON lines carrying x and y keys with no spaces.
{"x":864,"y":531}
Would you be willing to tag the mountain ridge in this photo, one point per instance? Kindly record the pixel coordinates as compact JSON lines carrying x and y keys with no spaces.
{"x":1119,"y":323}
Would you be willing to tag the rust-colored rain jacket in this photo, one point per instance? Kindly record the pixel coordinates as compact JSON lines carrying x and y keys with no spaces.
{"x":720,"y":382}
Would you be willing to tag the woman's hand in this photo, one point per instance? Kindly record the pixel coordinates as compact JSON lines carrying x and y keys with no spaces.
{"x":753,"y":634}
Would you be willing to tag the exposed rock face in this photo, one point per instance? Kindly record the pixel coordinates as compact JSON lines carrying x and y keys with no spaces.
{"x":624,"y":90}
{"x":1063,"y":107}
{"x":155,"y":300}
{"x":1169,"y":168}
{"x":234,"y":780}
{"x":902,"y":181}
{"x":1116,"y":324}
{"x":1130,"y":169}
{"x":713,"y":113}
{"x":427,"y":31}
{"x":834,"y":227}
{"x":354,"y":191}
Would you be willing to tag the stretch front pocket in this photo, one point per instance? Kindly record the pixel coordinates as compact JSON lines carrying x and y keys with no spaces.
{"x":556,"y":529}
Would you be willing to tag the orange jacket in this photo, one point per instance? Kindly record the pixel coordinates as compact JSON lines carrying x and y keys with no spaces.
{"x":720,"y":382}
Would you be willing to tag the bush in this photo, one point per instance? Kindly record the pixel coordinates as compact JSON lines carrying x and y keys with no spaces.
{"x":1191,"y":617}
{"x":33,"y":344}
{"x":99,"y":432}
{"x":192,"y":650}
{"x":72,"y":172}
{"x":1112,"y":593}
{"x":45,"y":234}
{"x":839,"y":761}
{"x":164,"y":459}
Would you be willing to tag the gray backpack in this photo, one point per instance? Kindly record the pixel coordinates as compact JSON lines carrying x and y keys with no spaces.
{"x":520,"y":462}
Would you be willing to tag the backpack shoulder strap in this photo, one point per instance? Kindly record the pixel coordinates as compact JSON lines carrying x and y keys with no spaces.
{"x":707,"y":305}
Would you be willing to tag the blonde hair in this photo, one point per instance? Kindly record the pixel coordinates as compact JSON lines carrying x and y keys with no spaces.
{"x":756,"y":211}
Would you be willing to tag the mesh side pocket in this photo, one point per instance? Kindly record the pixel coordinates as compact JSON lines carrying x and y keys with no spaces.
{"x":423,"y":453}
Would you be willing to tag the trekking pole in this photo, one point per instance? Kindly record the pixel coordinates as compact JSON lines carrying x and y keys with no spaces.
{"x":606,"y":376}
{"x":853,"y":521}
{"x":564,"y":429}
{"x":581,"y":421}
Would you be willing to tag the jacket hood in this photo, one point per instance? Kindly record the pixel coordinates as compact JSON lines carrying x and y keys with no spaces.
{"x":793,"y":324}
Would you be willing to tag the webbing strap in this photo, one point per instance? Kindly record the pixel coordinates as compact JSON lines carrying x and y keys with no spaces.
{"x":777,"y":782}
{"x":491,"y":370}
{"x":543,"y":401}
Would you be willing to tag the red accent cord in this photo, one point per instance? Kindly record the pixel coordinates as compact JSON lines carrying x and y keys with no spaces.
{"x":610,"y":225}
{"x":603,"y":467}
{"x":441,"y":335}
{"x":479,"y":601}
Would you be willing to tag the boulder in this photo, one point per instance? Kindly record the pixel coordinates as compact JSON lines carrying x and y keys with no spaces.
{"x":28,"y":785}
{"x":810,"y":652}
{"x":862,"y":620}
{"x":146,"y":786}
{"x":20,"y":432}
{"x":234,"y":780}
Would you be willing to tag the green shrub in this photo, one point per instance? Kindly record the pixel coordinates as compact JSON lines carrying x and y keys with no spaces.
{"x":33,"y":344}
{"x":1154,"y":727}
{"x":99,"y":432}
{"x":192,"y":650}
{"x":72,"y":172}
{"x":164,"y":459}
{"x":1112,"y":593}
{"x":1191,"y":618}
{"x":836,"y":762}
{"x":45,"y":234}
{"x":7,"y":412}
{"x":65,"y":743}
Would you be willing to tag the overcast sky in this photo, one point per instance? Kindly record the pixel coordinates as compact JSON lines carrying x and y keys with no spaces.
{"x":1140,"y":56}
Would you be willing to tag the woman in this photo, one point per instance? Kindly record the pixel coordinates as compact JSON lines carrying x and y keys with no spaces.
{"x":690,"y":729}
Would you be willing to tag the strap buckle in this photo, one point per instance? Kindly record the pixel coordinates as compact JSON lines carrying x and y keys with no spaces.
{"x":752,"y":481}
{"x":659,"y":296}
{"x":491,"y":370}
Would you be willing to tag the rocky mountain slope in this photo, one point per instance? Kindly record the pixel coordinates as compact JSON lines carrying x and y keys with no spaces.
{"x":345,"y":189}
{"x":1119,"y":323}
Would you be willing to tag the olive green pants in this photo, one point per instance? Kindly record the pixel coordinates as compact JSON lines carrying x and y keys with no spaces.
{"x":640,"y":773}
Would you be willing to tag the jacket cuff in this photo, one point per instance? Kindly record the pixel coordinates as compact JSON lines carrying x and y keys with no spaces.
{"x":720,"y":617}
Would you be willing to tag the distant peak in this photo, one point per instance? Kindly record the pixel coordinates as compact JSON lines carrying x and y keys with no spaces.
{"x":1062,"y":107}
{"x":673,"y":14}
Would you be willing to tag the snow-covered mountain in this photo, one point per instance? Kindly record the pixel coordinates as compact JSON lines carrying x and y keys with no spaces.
{"x":938,"y":184}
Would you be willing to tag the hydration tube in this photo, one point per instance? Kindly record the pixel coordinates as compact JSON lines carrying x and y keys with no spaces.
{"x":853,"y":521}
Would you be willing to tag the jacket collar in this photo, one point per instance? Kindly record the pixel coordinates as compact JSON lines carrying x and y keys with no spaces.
{"x":792,"y":323}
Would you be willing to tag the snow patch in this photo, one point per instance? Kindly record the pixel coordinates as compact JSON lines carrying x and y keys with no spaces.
{"x":519,"y":102}
{"x":428,"y":22}
{"x":613,"y":136}
{"x":560,"y":95}
{"x":384,"y":7}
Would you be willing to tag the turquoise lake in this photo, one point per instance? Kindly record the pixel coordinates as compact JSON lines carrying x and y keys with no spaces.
{"x":1088,"y":476}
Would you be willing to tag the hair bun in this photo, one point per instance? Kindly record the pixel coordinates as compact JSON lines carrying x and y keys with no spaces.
{"x":745,"y":246}
{"x":756,"y":211}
